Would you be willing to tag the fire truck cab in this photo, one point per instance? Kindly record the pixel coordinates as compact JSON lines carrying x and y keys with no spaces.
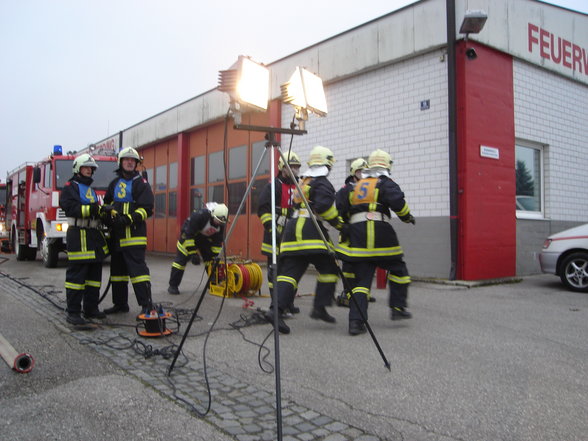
{"x":36,"y":223}
{"x":3,"y":229}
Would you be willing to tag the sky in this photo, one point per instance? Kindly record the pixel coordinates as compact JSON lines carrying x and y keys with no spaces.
{"x":75,"y":72}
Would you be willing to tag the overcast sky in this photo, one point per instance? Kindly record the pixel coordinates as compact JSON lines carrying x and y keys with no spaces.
{"x":74,"y":72}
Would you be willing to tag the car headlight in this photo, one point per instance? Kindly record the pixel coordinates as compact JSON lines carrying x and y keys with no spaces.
{"x":546,"y":243}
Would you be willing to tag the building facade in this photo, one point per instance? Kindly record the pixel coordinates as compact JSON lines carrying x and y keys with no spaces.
{"x":488,"y":134}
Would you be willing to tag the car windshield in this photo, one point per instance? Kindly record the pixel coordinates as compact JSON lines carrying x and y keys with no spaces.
{"x":102,"y":176}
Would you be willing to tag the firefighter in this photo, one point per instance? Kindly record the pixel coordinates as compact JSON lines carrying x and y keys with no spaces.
{"x":202,"y":235}
{"x":302,"y":244}
{"x":86,"y":244}
{"x":369,"y":241}
{"x":130,"y":197}
{"x":284,"y":189}
{"x":355,"y":169}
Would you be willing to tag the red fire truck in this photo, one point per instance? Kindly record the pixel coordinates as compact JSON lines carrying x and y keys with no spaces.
{"x":35,"y":221}
{"x":3,"y":229}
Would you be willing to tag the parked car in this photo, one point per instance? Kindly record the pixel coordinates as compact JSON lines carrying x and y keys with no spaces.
{"x":565,"y":254}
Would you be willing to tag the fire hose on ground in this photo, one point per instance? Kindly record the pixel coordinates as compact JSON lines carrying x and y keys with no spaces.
{"x":21,"y":363}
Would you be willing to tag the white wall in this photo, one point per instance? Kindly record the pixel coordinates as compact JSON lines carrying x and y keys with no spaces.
{"x":553,"y":111}
{"x":381,"y":109}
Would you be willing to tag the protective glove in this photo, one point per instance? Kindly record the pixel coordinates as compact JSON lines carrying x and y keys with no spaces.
{"x":195,"y":259}
{"x":122,"y":221}
{"x":94,"y":210}
{"x":106,"y":209}
{"x":410,"y":220}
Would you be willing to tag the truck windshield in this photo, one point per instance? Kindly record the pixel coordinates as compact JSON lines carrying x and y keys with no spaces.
{"x":3,"y":195}
{"x":102,"y":177}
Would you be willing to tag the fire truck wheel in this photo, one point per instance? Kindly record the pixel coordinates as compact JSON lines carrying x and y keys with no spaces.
{"x":49,"y":253}
{"x":22,"y":252}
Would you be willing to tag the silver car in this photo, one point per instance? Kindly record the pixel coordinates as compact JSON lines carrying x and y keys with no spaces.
{"x":565,"y":254}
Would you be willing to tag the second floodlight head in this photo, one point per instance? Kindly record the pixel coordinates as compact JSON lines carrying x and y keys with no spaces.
{"x":247,"y":83}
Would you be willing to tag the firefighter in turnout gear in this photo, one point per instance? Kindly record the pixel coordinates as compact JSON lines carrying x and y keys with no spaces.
{"x":130,"y":201}
{"x":284,"y":189}
{"x":202,"y":235}
{"x":302,"y":244}
{"x":369,"y":241}
{"x":86,"y":244}
{"x":355,"y":169}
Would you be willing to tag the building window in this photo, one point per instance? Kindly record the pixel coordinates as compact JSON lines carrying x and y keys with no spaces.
{"x":196,"y":199}
{"x":236,"y":193}
{"x":173,"y":175}
{"x":160,"y":205}
{"x":238,"y":162}
{"x":257,"y":150}
{"x":198,"y":171}
{"x":161,"y":178}
{"x":216,"y":193}
{"x":529,"y":180}
{"x":150,"y":175}
{"x":216,"y":167}
{"x":171,"y":204}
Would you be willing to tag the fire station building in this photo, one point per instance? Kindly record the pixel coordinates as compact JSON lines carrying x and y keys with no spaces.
{"x":487,"y":132}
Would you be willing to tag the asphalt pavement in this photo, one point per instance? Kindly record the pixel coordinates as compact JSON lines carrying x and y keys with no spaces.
{"x":496,"y":362}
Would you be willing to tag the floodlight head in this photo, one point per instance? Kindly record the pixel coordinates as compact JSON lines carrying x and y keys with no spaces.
{"x":305,"y":92}
{"x":247,"y":83}
{"x":473,"y":22}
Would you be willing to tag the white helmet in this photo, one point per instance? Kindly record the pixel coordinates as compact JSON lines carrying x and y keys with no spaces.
{"x":84,"y":160}
{"x":379,"y":158}
{"x":128,"y":152}
{"x":293,"y":159}
{"x":320,"y":155}
{"x":220,"y":213}
{"x":358,"y":164}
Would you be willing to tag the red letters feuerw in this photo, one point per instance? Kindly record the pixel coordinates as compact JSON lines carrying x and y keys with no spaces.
{"x":557,"y":49}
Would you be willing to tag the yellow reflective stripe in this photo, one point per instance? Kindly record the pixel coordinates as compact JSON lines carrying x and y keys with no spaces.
{"x":327,"y":278}
{"x":83,"y":241}
{"x":75,"y":286}
{"x":331,"y":213}
{"x":289,"y":280}
{"x":405,"y":210}
{"x":139,"y":279}
{"x":85,"y":211}
{"x":303,"y":245}
{"x":178,"y":266}
{"x":182,"y":249}
{"x":189,"y":243}
{"x":267,"y":248}
{"x":371,"y":235}
{"x":119,"y":278}
{"x":126,"y":206}
{"x":299,"y":226}
{"x":81,"y":255}
{"x":142,"y":212}
{"x":93,"y":283}
{"x":361,"y":290}
{"x":105,"y":249}
{"x":348,"y":275}
{"x":215,"y":250}
{"x":364,"y":252}
{"x":401,"y":280}
{"x":133,"y":241}
{"x":266,"y":217}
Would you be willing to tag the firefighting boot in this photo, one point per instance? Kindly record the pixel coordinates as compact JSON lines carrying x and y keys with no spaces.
{"x":356,"y":327}
{"x":283,"y":328}
{"x":75,"y":318}
{"x":399,"y":313}
{"x":320,"y":313}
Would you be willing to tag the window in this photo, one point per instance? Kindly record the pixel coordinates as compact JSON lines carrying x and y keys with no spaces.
{"x":196,"y":199}
{"x":238,"y":162}
{"x":529,"y":180}
{"x":160,"y":205}
{"x":236,"y":193}
{"x":198,"y":170}
{"x":216,"y":194}
{"x":216,"y":168}
{"x":256,"y":152}
{"x":173,"y":175}
{"x":258,"y":186}
{"x":161,"y":178}
{"x":171,"y":210}
{"x":150,"y":175}
{"x":47,"y":181}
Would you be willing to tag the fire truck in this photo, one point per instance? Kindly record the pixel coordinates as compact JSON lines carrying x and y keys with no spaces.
{"x":3,"y":229}
{"x":34,"y":219}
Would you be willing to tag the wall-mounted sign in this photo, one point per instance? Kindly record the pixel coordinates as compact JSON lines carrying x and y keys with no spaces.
{"x":489,"y":152}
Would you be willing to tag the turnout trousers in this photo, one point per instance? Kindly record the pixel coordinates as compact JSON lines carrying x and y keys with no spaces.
{"x":398,"y":281}
{"x":82,"y":285}
{"x":291,"y":270}
{"x":129,"y":263}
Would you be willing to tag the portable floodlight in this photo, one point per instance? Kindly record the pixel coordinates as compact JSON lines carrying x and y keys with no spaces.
{"x":247,"y":83}
{"x":305,"y":92}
